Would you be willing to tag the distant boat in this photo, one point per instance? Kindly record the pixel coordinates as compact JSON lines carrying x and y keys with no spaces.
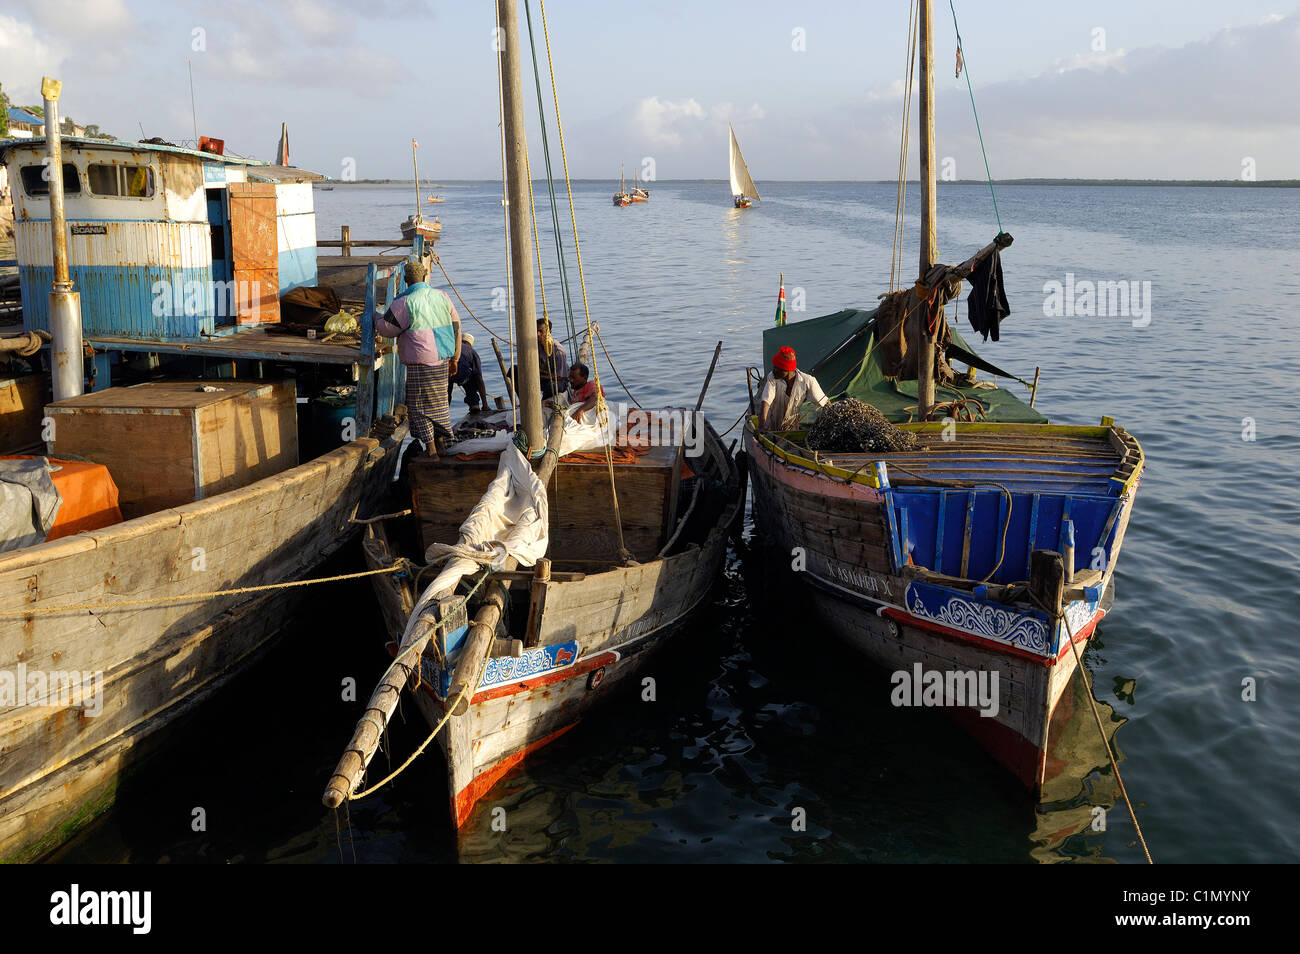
{"x":418,"y":224}
{"x":639,"y":193}
{"x":434,"y":198}
{"x":743,"y":191}
{"x":621,"y":197}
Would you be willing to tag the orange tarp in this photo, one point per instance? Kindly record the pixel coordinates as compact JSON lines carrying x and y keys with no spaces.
{"x":89,"y":496}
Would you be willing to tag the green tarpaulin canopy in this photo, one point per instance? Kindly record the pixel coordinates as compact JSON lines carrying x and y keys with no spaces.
{"x":854,"y":370}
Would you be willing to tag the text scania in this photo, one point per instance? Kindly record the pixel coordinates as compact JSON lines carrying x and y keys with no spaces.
{"x":75,"y":906}
{"x":969,"y":688}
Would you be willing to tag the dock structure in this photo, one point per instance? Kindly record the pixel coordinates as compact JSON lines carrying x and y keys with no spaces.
{"x":183,"y":252}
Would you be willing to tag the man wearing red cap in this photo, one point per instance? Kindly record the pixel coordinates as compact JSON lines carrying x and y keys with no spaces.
{"x":783,"y":393}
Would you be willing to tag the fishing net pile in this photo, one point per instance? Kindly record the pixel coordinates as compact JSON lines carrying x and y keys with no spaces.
{"x":850,"y":426}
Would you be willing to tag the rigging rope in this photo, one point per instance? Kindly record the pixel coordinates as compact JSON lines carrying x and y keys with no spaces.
{"x":354,"y":796}
{"x":1083,"y":674}
{"x":602,"y":411}
{"x":962,"y":53}
{"x":511,"y":386}
{"x":901,"y":201}
{"x":561,"y":264}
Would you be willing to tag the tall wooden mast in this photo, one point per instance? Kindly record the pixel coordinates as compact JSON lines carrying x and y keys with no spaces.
{"x":923,"y":342}
{"x":527,"y":374}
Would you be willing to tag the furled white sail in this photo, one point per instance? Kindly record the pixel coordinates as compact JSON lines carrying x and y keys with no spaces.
{"x":741,"y":182}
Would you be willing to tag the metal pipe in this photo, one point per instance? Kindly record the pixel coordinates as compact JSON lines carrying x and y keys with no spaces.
{"x":65,"y":302}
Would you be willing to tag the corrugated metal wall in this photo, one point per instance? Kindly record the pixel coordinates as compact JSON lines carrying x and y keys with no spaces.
{"x":137,"y":280}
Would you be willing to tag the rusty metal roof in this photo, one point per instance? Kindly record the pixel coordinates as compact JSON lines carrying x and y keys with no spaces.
{"x":269,"y":173}
{"x":265,"y":170}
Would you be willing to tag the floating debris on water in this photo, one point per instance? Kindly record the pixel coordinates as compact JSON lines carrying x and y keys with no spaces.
{"x":850,"y":426}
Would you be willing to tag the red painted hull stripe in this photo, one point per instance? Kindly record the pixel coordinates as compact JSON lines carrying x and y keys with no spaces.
{"x":580,"y":668}
{"x":468,"y":796}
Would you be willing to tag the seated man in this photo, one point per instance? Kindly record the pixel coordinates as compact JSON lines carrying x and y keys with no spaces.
{"x":784,"y":391}
{"x":552,"y":362}
{"x":583,"y":393}
{"x":469,"y":375}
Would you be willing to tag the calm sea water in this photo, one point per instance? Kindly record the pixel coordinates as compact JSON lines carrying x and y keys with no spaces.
{"x":758,"y":715}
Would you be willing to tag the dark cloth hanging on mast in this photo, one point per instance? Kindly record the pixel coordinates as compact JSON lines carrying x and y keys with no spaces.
{"x":987,"y":304}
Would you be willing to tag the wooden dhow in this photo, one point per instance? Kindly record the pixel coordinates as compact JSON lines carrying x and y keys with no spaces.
{"x":743,"y":191}
{"x":975,"y":566}
{"x":504,"y":661}
{"x":109,"y":635}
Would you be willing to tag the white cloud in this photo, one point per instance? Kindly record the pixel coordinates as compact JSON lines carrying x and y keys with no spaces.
{"x":26,"y":58}
{"x":80,"y":17}
{"x":662,"y":122}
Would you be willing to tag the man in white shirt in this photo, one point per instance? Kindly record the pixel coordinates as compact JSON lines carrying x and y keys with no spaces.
{"x":784,"y":391}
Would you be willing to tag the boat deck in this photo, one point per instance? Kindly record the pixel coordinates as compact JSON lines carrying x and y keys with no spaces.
{"x":253,"y":343}
{"x":1097,"y":460}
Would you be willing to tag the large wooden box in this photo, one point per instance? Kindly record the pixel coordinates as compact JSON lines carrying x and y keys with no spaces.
{"x":22,"y":405}
{"x":583,"y":527}
{"x":167,"y":443}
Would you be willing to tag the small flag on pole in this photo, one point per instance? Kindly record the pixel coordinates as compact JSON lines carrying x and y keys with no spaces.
{"x":415,"y":143}
{"x":780,"y":304}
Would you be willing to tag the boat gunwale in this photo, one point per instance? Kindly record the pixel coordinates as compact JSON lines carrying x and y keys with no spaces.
{"x":38,"y":553}
{"x":1127,"y":472}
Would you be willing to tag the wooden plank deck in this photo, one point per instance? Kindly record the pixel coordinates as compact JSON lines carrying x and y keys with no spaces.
{"x":249,"y":343}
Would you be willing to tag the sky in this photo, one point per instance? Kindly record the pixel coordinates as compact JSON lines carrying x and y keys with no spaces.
{"x":1162,"y":89}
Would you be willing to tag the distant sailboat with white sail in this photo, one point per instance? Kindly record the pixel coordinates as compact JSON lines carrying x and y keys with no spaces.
{"x":743,"y":191}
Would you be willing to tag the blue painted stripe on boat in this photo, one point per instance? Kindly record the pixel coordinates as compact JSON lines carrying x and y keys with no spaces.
{"x":297,"y":268}
{"x":1033,"y":533}
{"x":965,"y":545}
{"x":893,"y":530}
{"x":938,"y":533}
{"x":119,"y":302}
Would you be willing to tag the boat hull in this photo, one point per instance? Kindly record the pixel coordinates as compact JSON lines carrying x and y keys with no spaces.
{"x":60,"y":764}
{"x":595,"y":634}
{"x":838,"y":537}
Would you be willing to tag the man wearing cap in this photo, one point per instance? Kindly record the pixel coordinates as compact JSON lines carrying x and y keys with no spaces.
{"x":427,"y":329}
{"x":469,"y":375}
{"x":783,"y":393}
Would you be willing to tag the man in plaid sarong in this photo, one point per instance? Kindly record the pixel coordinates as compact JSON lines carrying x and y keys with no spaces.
{"x":427,"y":329}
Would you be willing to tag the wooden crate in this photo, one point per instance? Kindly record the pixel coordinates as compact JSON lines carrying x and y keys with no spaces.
{"x":22,"y":405}
{"x":582,"y":518}
{"x":169,"y":442}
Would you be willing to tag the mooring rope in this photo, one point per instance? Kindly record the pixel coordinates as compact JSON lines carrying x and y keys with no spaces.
{"x":400,"y":565}
{"x":1083,"y":674}
{"x":354,"y":796}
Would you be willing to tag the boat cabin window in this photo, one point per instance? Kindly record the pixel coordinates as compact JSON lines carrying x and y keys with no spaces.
{"x":131,"y":181}
{"x":36,"y":181}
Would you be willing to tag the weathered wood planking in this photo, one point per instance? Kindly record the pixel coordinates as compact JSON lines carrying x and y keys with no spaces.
{"x":618,"y":619}
{"x":582,"y":519}
{"x":159,"y":659}
{"x":22,"y":405}
{"x":167,"y":443}
{"x":838,"y":525}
